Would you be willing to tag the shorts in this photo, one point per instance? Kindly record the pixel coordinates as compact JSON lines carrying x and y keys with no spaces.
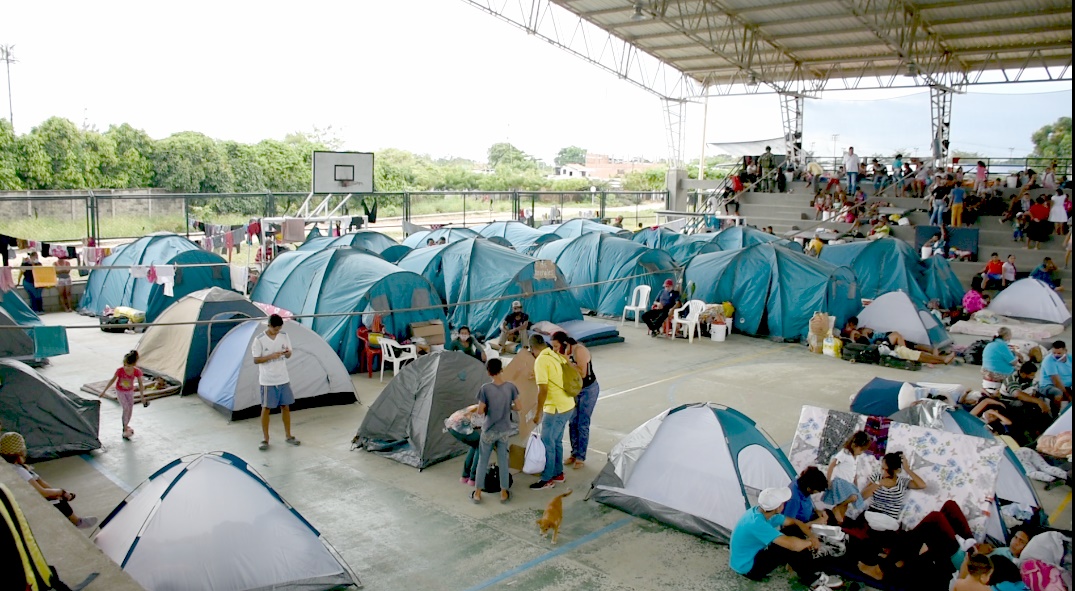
{"x":277,"y":396}
{"x":908,"y":354}
{"x":993,"y":277}
{"x":63,"y":281}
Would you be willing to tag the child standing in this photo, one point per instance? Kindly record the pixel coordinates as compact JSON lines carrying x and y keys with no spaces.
{"x":124,"y":379}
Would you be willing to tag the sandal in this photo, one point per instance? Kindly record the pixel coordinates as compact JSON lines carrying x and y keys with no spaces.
{"x":293,"y":441}
{"x":264,"y":445}
{"x":578,"y":464}
{"x":473,"y":498}
{"x":507,"y":498}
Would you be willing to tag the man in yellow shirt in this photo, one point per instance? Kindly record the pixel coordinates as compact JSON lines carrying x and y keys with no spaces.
{"x":555,"y":409}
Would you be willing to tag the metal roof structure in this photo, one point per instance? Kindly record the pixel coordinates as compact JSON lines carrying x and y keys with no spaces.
{"x":685,"y":49}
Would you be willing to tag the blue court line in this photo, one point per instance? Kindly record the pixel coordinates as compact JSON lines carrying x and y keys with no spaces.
{"x":550,"y":555}
{"x":107,"y":473}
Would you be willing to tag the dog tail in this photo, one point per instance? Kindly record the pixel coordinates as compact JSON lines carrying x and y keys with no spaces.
{"x":569,"y":491}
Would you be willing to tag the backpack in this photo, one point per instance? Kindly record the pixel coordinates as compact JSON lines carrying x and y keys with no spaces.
{"x":492,"y":480}
{"x":973,"y":353}
{"x":572,"y":380}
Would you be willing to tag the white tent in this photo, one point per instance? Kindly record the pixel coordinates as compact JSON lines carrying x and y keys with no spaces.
{"x":210,"y":521}
{"x":894,"y":311}
{"x":698,"y":467}
{"x":230,"y":379}
{"x":180,"y":351}
{"x":1032,"y":300}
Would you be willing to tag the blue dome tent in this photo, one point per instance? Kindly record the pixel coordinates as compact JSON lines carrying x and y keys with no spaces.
{"x":116,"y":287}
{"x":743,"y":236}
{"x":522,"y":237}
{"x":581,"y":226}
{"x":345,"y":280}
{"x":775,"y":290}
{"x":418,"y":239}
{"x":367,"y":239}
{"x":881,"y":266}
{"x":615,"y":265}
{"x":940,"y":283}
{"x":394,"y":253}
{"x":16,"y":308}
{"x":475,"y":269}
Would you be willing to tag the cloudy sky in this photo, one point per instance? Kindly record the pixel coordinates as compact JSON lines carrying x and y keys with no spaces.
{"x":431,"y":76}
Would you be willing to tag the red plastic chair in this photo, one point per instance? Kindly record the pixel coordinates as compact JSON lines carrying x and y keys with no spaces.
{"x":372,"y":351}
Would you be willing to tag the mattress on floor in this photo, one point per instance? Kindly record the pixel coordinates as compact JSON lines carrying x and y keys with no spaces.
{"x":1020,"y":330}
{"x":587,"y":333}
{"x":149,"y":378}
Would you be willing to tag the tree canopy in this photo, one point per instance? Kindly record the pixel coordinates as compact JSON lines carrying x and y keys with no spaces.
{"x":1053,"y":140}
{"x":571,"y":155}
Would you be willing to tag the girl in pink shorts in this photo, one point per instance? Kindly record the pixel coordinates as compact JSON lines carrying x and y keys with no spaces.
{"x":125,"y":379}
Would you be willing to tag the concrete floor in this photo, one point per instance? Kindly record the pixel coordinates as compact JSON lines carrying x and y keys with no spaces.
{"x":401,"y":529}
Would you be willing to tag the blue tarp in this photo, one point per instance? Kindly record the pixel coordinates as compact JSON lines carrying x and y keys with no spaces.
{"x":522,"y":237}
{"x":418,"y":239}
{"x":345,"y":280}
{"x":881,"y":265}
{"x":600,"y":257}
{"x":367,"y":239}
{"x":116,"y":287}
{"x":478,"y":269}
{"x":18,"y":310}
{"x":939,"y":282}
{"x":775,"y":290}
{"x":581,"y":226}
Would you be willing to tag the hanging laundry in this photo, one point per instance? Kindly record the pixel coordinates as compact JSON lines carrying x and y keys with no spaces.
{"x":151,"y":274}
{"x":139,"y":272}
{"x":7,"y":282}
{"x":253,"y":229}
{"x":371,"y":211}
{"x":239,"y":278}
{"x":7,"y":244}
{"x":294,"y":230}
{"x":165,"y":276}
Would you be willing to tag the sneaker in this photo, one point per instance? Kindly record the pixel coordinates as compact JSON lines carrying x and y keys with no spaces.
{"x":559,"y":478}
{"x":464,"y":480}
{"x":86,"y":522}
{"x":827,"y":582}
{"x":471,"y":482}
{"x":543,"y":484}
{"x":264,"y":445}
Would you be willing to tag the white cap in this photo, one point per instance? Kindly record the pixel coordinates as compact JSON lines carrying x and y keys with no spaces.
{"x":770,"y":499}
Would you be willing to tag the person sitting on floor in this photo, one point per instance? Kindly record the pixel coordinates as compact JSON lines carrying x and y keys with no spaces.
{"x":764,"y":540}
{"x":513,"y":328}
{"x":1048,"y":274}
{"x":975,"y":574}
{"x":843,"y":492}
{"x":13,"y":450}
{"x":1056,"y":376}
{"x":860,"y":335}
{"x":466,"y":343}
{"x":800,"y":506}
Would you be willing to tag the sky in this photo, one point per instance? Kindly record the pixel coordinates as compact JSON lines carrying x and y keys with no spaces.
{"x":436,"y":77}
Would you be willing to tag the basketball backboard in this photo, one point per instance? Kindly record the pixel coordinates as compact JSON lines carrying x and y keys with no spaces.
{"x":343,"y":172}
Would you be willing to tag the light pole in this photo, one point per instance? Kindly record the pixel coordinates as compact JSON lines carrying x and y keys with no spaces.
{"x":835,"y":154}
{"x":6,"y":54}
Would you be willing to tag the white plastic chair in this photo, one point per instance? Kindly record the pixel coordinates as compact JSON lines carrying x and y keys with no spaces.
{"x":396,"y":354}
{"x":691,"y":322}
{"x":639,"y":303}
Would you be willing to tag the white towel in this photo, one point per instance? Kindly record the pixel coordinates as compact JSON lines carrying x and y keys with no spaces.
{"x":239,"y":277}
{"x":139,"y":272}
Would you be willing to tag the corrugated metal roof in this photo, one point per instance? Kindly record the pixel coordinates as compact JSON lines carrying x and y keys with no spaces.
{"x":777,"y":41}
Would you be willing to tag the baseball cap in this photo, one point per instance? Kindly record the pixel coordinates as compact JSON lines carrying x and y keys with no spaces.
{"x":770,"y":499}
{"x":669,"y":282}
{"x":516,"y":304}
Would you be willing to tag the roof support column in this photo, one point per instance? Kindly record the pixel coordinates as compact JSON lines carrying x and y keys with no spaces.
{"x":791,"y":112}
{"x":940,"y":101}
{"x":675,"y":112}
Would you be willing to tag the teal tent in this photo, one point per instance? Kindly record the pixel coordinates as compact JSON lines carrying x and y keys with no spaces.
{"x":116,"y":287}
{"x":744,"y":236}
{"x":522,"y":237}
{"x":368,"y":239}
{"x":940,"y":283}
{"x":658,"y":237}
{"x":16,"y":308}
{"x":478,"y":270}
{"x":395,"y":252}
{"x":604,"y":269}
{"x":882,"y":265}
{"x":344,"y":281}
{"x":775,"y":290}
{"x":418,"y":239}
{"x":581,"y":226}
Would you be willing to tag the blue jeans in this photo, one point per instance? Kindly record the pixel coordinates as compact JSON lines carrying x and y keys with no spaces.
{"x":936,"y":217}
{"x":552,"y":437}
{"x":470,"y":464}
{"x":852,"y":183}
{"x":1050,"y":392}
{"x":579,"y":427}
{"x":485,"y":451}
{"x":35,"y":296}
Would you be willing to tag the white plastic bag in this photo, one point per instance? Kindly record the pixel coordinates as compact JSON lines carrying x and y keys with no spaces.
{"x":534,"y":459}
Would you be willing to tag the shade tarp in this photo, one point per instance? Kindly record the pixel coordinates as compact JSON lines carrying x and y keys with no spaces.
{"x":419,"y":239}
{"x":881,"y":266}
{"x":697,"y":467}
{"x":340,"y":282}
{"x":604,"y":269}
{"x":895,"y":311}
{"x":210,"y":521}
{"x":522,"y":237}
{"x":492,"y":276}
{"x":748,"y":148}
{"x":179,"y":351}
{"x":406,"y":422}
{"x":229,"y":382}
{"x":1031,"y":299}
{"x":775,"y":290}
{"x":581,"y":226}
{"x":52,"y":420}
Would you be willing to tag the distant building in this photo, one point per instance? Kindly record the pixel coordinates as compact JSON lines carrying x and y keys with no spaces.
{"x":602,"y":167}
{"x":571,"y":171}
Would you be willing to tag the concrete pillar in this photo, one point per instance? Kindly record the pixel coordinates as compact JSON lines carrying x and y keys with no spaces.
{"x":677,"y":190}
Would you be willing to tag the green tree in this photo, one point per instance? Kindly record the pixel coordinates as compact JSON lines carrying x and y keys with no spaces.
{"x":134,"y":150}
{"x":61,"y":142}
{"x":190,"y":162}
{"x":571,"y":154}
{"x":645,"y":180}
{"x":9,"y":158}
{"x":1053,"y":140}
{"x":503,"y":153}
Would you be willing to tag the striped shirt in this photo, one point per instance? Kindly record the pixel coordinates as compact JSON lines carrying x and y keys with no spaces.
{"x":889,"y":501}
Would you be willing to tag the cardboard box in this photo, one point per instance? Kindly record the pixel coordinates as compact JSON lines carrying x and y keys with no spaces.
{"x":430,"y":330}
{"x":521,"y":373}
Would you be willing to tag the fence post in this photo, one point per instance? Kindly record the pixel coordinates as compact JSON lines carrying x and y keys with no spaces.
{"x":604,"y":204}
{"x":465,"y":209}
{"x":186,"y":217}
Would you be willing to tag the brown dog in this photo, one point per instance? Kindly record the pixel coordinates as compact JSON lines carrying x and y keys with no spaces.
{"x":554,"y":514}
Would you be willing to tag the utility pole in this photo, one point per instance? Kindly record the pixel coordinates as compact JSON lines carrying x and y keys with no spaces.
{"x":9,"y":58}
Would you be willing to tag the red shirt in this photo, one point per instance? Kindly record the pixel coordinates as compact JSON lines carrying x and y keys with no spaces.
{"x":1039,"y":212}
{"x":126,"y":381}
{"x":994,"y":267}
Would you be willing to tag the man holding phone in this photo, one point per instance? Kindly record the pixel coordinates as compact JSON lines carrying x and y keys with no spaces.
{"x":270,"y":350}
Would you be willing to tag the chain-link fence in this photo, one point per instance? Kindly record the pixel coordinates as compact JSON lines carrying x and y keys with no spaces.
{"x":54,"y":218}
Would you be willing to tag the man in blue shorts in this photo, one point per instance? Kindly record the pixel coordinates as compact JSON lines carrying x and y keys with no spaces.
{"x":270,"y":349}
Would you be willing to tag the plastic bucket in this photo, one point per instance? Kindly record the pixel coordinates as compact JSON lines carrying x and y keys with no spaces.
{"x":718,"y":332}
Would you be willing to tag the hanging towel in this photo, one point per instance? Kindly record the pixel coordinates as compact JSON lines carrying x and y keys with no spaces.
{"x":165,"y":276}
{"x":371,"y":211}
{"x":294,"y":230}
{"x":44,"y":277}
{"x":7,"y":282}
{"x":139,"y":272}
{"x":239,"y":278}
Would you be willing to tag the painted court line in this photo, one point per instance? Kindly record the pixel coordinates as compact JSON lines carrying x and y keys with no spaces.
{"x":550,"y":555}
{"x":1060,"y":508}
{"x":107,"y":473}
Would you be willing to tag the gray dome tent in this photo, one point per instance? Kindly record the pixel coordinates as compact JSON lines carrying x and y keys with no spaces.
{"x":406,"y":422}
{"x":53,"y":421}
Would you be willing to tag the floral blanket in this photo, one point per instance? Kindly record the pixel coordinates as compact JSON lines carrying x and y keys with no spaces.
{"x":960,"y":468}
